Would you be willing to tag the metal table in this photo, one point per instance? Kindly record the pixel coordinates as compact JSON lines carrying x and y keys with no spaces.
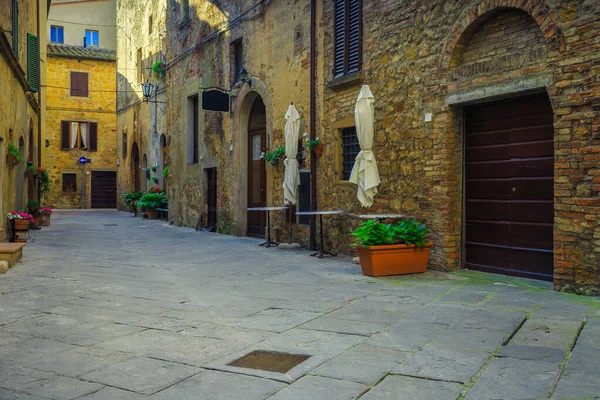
{"x":321,"y":251}
{"x":269,"y":242}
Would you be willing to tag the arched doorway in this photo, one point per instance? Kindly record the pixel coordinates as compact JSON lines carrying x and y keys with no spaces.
{"x":136,"y":169}
{"x":20,"y":204}
{"x":30,"y":156}
{"x":162,"y":162}
{"x":145,"y":173}
{"x":257,"y":176}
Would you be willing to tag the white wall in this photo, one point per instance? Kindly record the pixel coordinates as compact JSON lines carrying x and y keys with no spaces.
{"x":76,"y":17}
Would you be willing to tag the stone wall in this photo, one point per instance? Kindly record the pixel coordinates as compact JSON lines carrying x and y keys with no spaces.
{"x":142,"y":124}
{"x":98,"y":107}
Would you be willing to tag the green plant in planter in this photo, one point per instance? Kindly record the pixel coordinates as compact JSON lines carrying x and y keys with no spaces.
{"x":152,"y":200}
{"x":165,"y":171}
{"x":33,"y":207}
{"x":159,"y":69}
{"x":372,"y":233}
{"x":14,"y":151}
{"x":131,"y":198}
{"x":274,"y":156}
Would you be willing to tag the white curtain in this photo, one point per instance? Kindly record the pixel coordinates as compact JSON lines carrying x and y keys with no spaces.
{"x":365,"y":173}
{"x":74,"y":134}
{"x":84,"y":130}
{"x":291,"y":180}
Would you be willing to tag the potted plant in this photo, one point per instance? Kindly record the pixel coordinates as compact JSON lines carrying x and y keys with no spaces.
{"x":165,"y":171}
{"x":43,"y":179}
{"x":20,"y":220}
{"x":30,"y":172}
{"x":131,"y":200}
{"x":274,"y":156}
{"x":69,"y":188}
{"x":13,"y":157}
{"x":45,"y":215}
{"x":315,"y":145}
{"x":152,"y":200}
{"x":159,"y":69}
{"x":392,"y":249}
{"x":33,"y":207}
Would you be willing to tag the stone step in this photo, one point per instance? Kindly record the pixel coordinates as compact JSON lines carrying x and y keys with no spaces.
{"x":10,"y":253}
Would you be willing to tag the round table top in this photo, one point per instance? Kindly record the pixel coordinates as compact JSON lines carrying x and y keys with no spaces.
{"x":376,"y":216}
{"x":320,"y":212}
{"x":275,"y":208}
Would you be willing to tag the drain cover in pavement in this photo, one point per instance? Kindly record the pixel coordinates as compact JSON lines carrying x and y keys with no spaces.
{"x":269,"y":361}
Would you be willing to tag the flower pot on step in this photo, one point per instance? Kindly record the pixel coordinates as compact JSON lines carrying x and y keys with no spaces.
{"x":45,"y":219}
{"x":396,"y":259}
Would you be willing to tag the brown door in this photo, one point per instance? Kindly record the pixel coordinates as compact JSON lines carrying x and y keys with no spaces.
{"x":211,"y":196}
{"x":136,"y":169}
{"x":104,"y":189}
{"x":257,"y":178}
{"x":509,"y":171}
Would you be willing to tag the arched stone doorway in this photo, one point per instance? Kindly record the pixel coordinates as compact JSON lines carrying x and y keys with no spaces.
{"x":257,"y":174}
{"x":501,"y":102}
{"x":20,"y":204}
{"x":145,"y":173}
{"x":136,"y":169}
{"x":162,"y":162}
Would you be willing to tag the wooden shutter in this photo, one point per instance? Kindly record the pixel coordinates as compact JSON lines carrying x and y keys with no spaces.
{"x":15,"y":28}
{"x":354,"y":36}
{"x":74,"y":84}
{"x":93,"y":129}
{"x":65,"y":135}
{"x":33,"y":62}
{"x":83,"y":84}
{"x":339,"y":37}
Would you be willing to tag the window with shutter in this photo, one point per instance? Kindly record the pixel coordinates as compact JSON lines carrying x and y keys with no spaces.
{"x":65,"y":135}
{"x":79,"y":135}
{"x":347,"y":37}
{"x":33,"y":62}
{"x":15,"y":28}
{"x":79,"y":84}
{"x":93,"y":146}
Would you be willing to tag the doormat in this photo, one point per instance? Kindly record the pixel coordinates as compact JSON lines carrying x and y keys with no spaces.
{"x":269,"y":361}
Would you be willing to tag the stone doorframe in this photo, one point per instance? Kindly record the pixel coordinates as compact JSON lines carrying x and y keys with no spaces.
{"x":241,"y":107}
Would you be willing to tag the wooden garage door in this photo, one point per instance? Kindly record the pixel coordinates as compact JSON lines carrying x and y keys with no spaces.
{"x":104,"y":189}
{"x":509,"y":187}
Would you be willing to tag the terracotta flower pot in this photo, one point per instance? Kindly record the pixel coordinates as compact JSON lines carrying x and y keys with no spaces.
{"x":21,"y":224}
{"x":29,"y":174}
{"x":11,"y":159}
{"x":318,"y":149}
{"x":151,"y":213}
{"x":45,"y":219}
{"x":396,"y":259}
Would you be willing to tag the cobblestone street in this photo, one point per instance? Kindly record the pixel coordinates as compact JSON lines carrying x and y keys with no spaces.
{"x":108,"y":306}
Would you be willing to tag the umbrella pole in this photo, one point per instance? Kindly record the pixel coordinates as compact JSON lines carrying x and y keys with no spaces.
{"x":290,"y":224}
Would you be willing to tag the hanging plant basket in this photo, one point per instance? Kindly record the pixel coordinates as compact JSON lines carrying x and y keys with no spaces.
{"x":318,"y":149}
{"x":159,"y":70}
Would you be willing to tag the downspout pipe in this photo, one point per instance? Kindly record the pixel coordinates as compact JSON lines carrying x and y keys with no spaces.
{"x":313,"y":122}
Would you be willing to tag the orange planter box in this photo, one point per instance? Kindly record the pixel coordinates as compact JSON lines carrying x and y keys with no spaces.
{"x":398,"y":259}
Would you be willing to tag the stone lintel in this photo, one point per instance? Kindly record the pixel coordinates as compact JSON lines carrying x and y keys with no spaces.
{"x":521,"y":86}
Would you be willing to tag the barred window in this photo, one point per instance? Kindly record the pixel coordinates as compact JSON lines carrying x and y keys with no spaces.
{"x":69,"y":182}
{"x":350,"y":149}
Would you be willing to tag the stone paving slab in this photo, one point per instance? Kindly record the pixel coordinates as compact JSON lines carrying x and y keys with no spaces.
{"x":443,"y":364}
{"x":402,"y":387}
{"x":214,"y":385}
{"x":320,"y":388}
{"x":142,"y":375}
{"x":507,"y":378}
{"x":124,"y":314}
{"x":13,"y":395}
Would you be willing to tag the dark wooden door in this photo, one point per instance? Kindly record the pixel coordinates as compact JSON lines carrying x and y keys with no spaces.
{"x":211,"y":196}
{"x":509,"y":171}
{"x":104,"y":189}
{"x":257,"y":182}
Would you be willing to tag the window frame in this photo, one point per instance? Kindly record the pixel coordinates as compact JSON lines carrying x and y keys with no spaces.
{"x":193,"y":129}
{"x":345,"y":69}
{"x":91,"y":136}
{"x":77,"y":91}
{"x":91,"y":31}
{"x":237,"y":53}
{"x":355,"y":145}
{"x":74,"y":181}
{"x":15,"y":28}
{"x":60,"y":29}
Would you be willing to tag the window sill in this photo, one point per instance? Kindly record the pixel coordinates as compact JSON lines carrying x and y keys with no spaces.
{"x":346,"y":80}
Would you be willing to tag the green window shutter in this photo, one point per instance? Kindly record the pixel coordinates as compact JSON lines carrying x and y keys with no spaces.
{"x":15,"y":27}
{"x":33,"y":62}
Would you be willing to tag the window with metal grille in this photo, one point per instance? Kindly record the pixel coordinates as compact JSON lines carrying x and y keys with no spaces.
{"x":347,"y":37}
{"x":69,"y":182}
{"x":350,"y":149}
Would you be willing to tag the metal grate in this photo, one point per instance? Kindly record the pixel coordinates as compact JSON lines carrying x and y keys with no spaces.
{"x":269,"y":361}
{"x":350,"y":149}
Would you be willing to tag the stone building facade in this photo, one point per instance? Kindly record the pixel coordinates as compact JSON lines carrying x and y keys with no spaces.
{"x":81,"y":122}
{"x":142,"y":152}
{"x":487,"y":119}
{"x":22,"y":77}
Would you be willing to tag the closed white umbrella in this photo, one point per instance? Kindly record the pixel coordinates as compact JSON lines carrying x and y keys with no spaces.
{"x":365,"y":173}
{"x":292,"y":175}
